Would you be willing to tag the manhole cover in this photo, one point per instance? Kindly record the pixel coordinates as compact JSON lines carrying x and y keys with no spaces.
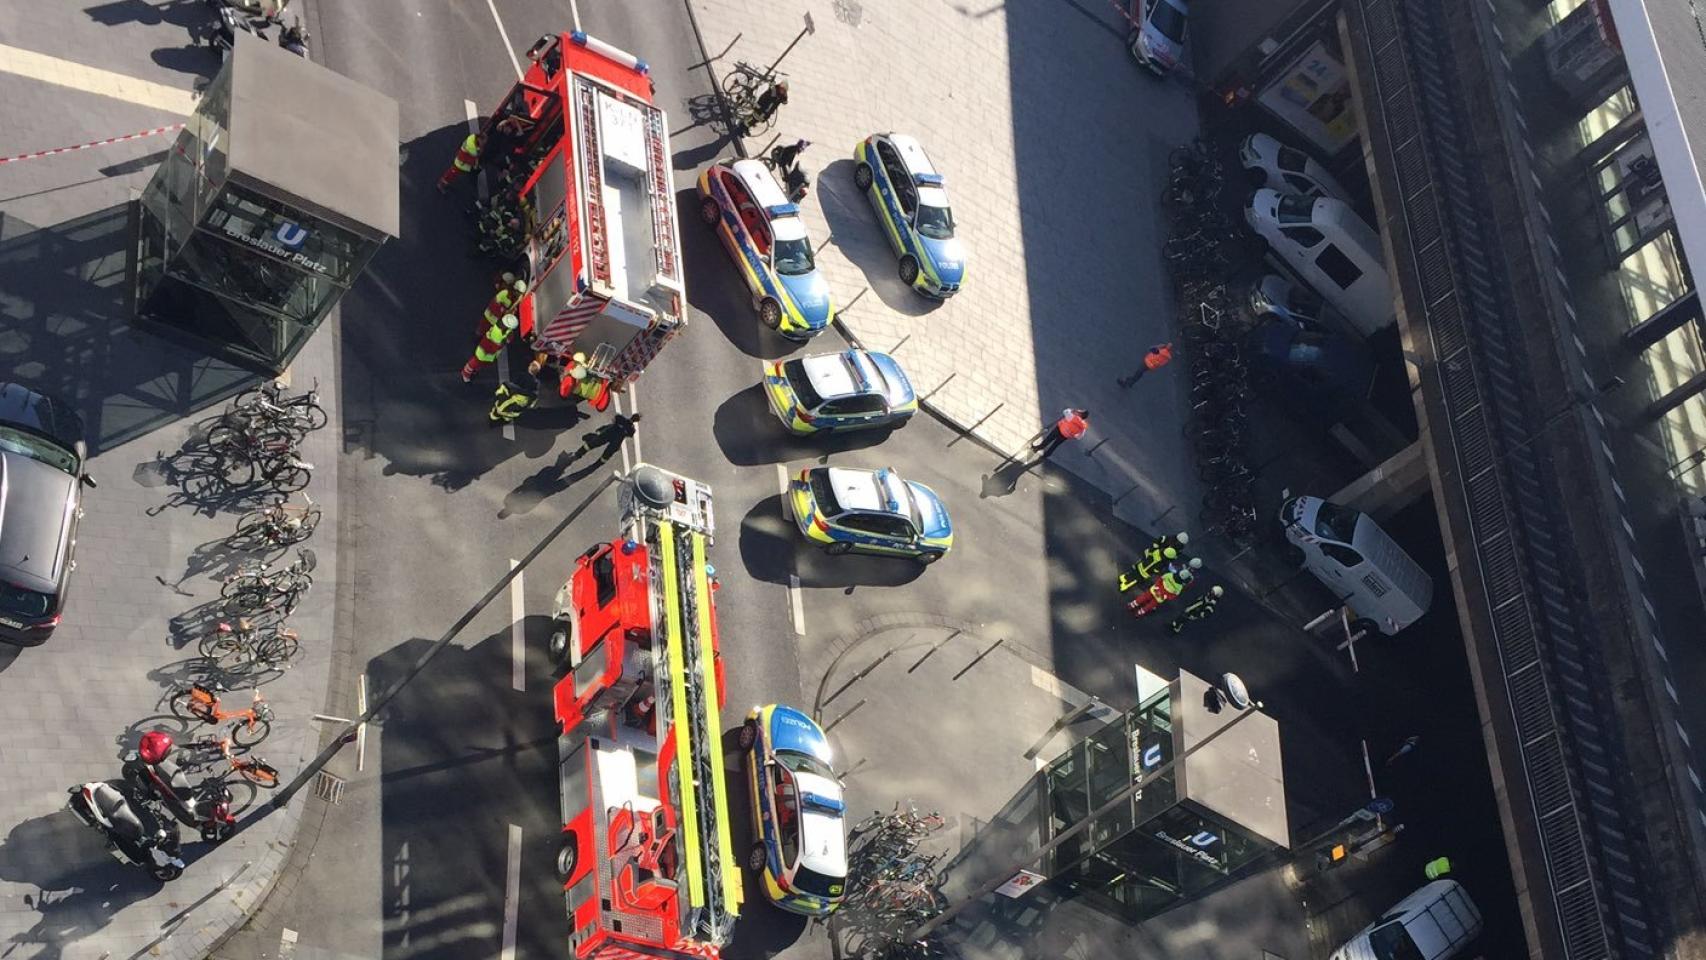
{"x":329,"y":788}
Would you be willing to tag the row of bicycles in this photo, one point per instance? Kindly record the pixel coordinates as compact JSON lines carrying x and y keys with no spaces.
{"x":1204,"y":243}
{"x":1214,"y":330}
{"x":892,"y":885}
{"x":186,"y":779}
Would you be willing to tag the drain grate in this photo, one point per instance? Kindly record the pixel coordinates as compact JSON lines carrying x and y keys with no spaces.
{"x":329,"y":788}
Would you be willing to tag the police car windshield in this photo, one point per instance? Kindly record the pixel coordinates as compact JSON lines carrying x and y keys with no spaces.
{"x":1168,"y":19}
{"x":937,"y":223}
{"x":823,"y":493}
{"x":802,"y":763}
{"x":793,"y":258}
{"x":801,"y":382}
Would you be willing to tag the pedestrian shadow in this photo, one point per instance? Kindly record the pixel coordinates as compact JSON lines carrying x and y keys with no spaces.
{"x":1004,"y":480}
{"x":194,"y":58}
{"x":750,"y":435}
{"x":855,"y":231}
{"x":715,"y":288}
{"x":549,"y":481}
{"x":773,"y":551}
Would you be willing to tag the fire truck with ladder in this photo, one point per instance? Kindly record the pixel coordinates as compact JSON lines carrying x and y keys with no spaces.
{"x":645,"y":858}
{"x":603,"y":250}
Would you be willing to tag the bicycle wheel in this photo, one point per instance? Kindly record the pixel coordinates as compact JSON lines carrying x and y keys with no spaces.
{"x":304,"y":527}
{"x":278,"y":650}
{"x":185,"y":705}
{"x":252,"y":601}
{"x":220,"y":647}
{"x":248,"y":732}
{"x":252,"y":526}
{"x":290,"y":478}
{"x":741,"y":85}
{"x":258,"y":772}
{"x":308,"y":413}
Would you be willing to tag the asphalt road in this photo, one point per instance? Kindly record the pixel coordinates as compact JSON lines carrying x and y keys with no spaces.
{"x":458,"y":794}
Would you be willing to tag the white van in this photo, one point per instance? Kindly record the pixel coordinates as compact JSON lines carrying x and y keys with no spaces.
{"x":1332,"y":250}
{"x":1434,"y":923}
{"x":1349,"y":553}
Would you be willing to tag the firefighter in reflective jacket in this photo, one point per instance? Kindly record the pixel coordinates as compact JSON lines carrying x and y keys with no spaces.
{"x":579,"y":384}
{"x":491,"y":344}
{"x":504,"y":301}
{"x":1143,"y":568}
{"x":1198,"y":609}
{"x":511,"y":399}
{"x":1166,"y":587}
{"x":467,"y":160}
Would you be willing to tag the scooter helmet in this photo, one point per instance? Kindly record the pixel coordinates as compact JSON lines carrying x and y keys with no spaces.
{"x":154,"y":746}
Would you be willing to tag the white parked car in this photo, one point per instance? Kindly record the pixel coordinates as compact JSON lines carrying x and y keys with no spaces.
{"x":1332,"y":249}
{"x":1159,"y":41}
{"x":1354,"y":558}
{"x":1434,"y":923}
{"x":1287,"y":169}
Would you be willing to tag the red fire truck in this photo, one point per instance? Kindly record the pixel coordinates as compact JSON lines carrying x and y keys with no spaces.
{"x":604,"y":249}
{"x":645,"y":858}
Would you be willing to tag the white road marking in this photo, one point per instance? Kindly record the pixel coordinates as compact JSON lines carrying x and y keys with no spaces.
{"x":67,"y":73}
{"x":517,"y":631}
{"x":512,"y":892}
{"x":796,"y":603}
{"x":509,"y":48}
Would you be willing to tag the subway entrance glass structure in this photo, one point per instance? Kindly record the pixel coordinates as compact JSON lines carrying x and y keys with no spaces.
{"x":276,"y":194}
{"x":1214,"y":816}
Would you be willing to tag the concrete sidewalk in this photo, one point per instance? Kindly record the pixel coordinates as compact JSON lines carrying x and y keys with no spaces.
{"x":148,"y":576}
{"x":1053,"y":193}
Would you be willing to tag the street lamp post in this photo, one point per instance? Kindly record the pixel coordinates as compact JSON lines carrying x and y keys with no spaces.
{"x":1124,"y":796}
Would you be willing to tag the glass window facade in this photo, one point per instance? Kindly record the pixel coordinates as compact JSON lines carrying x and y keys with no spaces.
{"x":1148,"y":853}
{"x":220,"y":262}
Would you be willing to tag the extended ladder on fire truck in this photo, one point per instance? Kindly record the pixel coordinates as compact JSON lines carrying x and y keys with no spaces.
{"x":672,"y":516}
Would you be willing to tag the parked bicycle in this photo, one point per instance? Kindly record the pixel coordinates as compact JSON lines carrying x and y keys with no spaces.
{"x":256,"y":588}
{"x":267,"y":406}
{"x":754,"y":97}
{"x":241,"y":454}
{"x":243,"y":648}
{"x":202,"y":702}
{"x":278,"y":524}
{"x":204,"y":752}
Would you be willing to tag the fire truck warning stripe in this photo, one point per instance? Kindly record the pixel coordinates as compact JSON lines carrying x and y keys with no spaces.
{"x":688,"y":815}
{"x":714,"y":726}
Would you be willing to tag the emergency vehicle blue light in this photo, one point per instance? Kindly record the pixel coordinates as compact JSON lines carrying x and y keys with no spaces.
{"x":783,"y":210}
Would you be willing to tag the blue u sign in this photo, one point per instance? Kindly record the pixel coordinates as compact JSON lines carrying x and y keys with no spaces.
{"x":1204,"y":839}
{"x":1152,"y":756}
{"x":291,"y":235}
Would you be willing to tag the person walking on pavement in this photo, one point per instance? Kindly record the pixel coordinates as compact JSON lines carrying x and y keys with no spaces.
{"x":1437,"y":868}
{"x":1199,"y":609}
{"x":1158,"y":356}
{"x":1408,"y":747}
{"x":1070,"y":426}
{"x":610,"y":436}
{"x":467,"y":160}
{"x":511,"y":399}
{"x":491,"y":344}
{"x":1166,"y":587}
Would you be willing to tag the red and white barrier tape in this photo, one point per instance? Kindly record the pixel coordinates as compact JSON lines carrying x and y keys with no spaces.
{"x":93,"y":143}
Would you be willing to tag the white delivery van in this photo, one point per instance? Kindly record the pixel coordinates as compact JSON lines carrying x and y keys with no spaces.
{"x":1434,"y":923}
{"x":1330,"y":247}
{"x":1349,"y":553}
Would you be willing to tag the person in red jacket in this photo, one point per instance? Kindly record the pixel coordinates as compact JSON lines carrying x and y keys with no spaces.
{"x":1158,"y":356}
{"x":1070,"y":426}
